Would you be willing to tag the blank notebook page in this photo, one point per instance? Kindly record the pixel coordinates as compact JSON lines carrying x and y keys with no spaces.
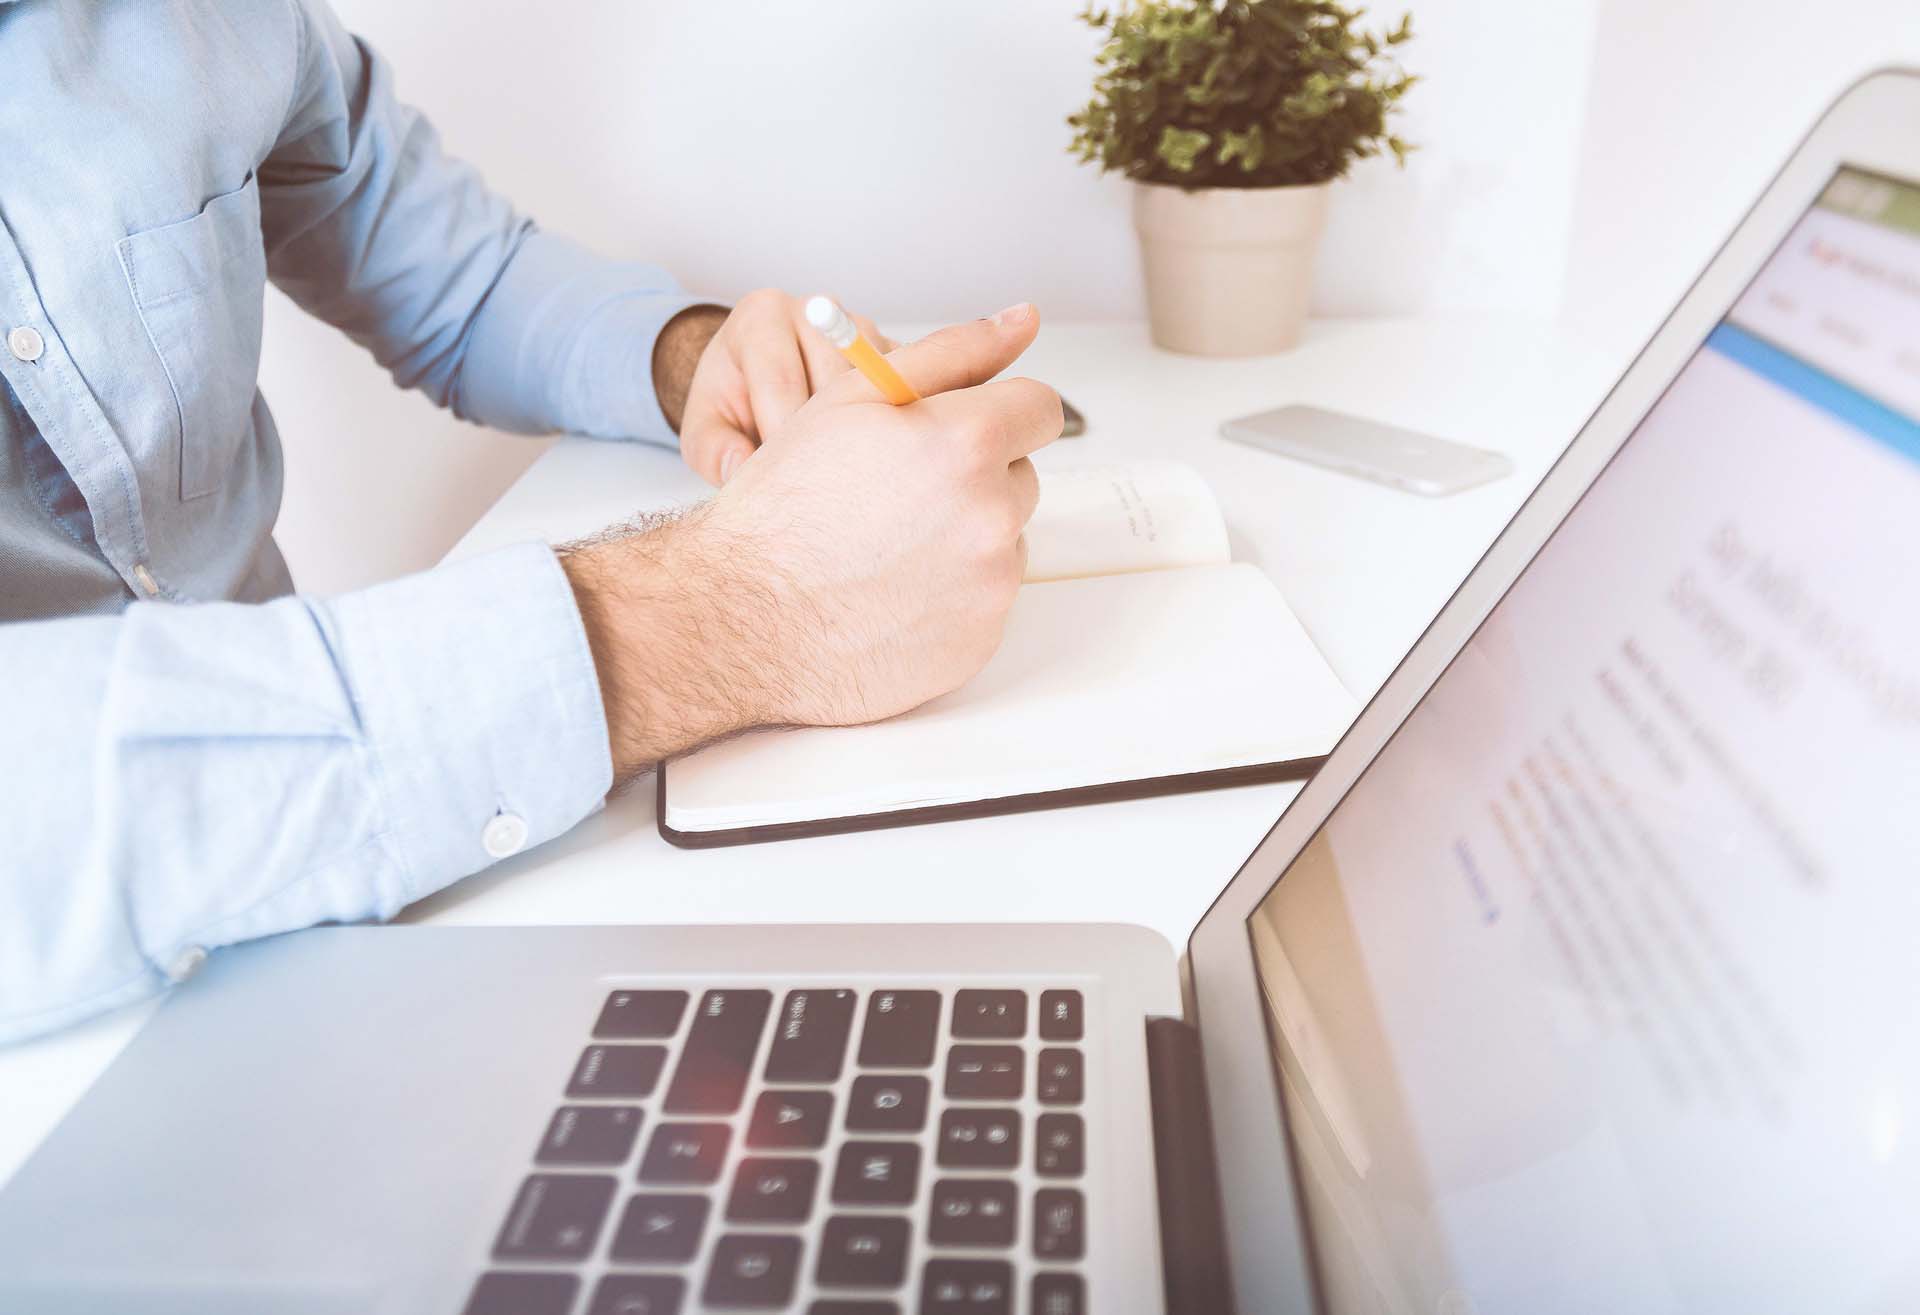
{"x":1098,"y":681}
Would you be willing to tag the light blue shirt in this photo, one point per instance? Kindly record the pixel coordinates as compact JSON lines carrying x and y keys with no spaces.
{"x":188,"y":756}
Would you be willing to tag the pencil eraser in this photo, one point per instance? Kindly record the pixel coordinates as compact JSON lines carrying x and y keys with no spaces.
{"x":821,"y":312}
{"x":824,"y":314}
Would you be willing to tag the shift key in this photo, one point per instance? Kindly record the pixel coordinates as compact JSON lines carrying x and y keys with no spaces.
{"x":718,"y":1057}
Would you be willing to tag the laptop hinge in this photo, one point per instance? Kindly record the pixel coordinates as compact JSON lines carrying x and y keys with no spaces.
{"x":1192,"y":1238}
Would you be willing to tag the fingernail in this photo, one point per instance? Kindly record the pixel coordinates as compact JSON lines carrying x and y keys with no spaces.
{"x":727,"y":464}
{"x":1014,"y":314}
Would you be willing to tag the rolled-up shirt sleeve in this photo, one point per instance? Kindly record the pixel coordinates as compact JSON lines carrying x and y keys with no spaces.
{"x":372,"y":227}
{"x":182,"y":778}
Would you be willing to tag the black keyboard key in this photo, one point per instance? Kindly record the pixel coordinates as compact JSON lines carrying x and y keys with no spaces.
{"x":836,"y":1306}
{"x":659,"y":1227}
{"x":718,"y":1056}
{"x":972,"y":1212}
{"x":902,"y":1027}
{"x":1059,"y":1224}
{"x":979,"y":1139}
{"x":863,"y":1251}
{"x":589,"y":1134}
{"x":985,"y":1072}
{"x":685,"y":1153}
{"x":626,"y":1071}
{"x":790,"y":1120}
{"x":967,"y":1287}
{"x":638,"y":1294}
{"x":886,"y":1103}
{"x":1059,"y":1146}
{"x":753,"y":1270}
{"x":555,"y":1217}
{"x":523,"y":1294}
{"x":1059,"y":1079}
{"x":991,"y":1015}
{"x":632,"y":1014}
{"x":810,"y":1036}
{"x":1062,"y":1016}
{"x":770,"y":1191}
{"x":876,"y":1173}
{"x":1059,"y":1294}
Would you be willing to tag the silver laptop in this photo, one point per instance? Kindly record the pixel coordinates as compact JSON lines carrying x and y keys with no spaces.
{"x":1582,"y":978}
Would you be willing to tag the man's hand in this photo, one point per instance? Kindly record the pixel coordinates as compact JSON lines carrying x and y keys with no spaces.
{"x":859,"y":567}
{"x":753,"y":373}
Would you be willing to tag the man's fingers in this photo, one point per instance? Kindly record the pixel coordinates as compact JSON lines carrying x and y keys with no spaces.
{"x":1030,"y":411}
{"x":719,"y":454}
{"x":1014,"y":416}
{"x":880,"y":340}
{"x":822,"y":361}
{"x":768,"y":355}
{"x":962,"y":355}
{"x":712,"y":447}
{"x":759,"y":370}
{"x":1026,"y":488}
{"x":732,"y":453}
{"x":702,"y":432}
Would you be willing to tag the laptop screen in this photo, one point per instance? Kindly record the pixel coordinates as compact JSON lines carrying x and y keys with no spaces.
{"x":1600,"y":990}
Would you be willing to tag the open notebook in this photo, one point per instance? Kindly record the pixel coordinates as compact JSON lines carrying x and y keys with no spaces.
{"x":1138,"y":660}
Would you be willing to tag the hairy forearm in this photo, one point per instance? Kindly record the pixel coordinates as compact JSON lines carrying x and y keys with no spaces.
{"x":676,"y":352}
{"x":669,"y":614}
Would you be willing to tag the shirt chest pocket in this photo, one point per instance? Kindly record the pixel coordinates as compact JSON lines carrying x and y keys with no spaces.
{"x":200,"y":287}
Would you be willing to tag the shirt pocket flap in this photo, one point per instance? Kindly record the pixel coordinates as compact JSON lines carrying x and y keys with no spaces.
{"x":200,"y":288}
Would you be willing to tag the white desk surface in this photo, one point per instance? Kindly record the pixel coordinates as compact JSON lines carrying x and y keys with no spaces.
{"x":1365,"y":567}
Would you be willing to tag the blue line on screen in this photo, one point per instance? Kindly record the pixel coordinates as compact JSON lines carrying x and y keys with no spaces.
{"x":1841,"y":401}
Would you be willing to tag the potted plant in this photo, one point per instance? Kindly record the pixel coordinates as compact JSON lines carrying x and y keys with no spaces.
{"x":1232,"y":118}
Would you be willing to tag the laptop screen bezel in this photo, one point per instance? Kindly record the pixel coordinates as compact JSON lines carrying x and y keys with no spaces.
{"x":1869,"y":127}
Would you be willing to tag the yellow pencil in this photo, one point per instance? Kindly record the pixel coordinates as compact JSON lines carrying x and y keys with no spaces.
{"x":838,"y":328}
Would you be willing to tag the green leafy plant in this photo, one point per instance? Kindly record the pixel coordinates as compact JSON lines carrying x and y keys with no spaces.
{"x":1240,"y":93}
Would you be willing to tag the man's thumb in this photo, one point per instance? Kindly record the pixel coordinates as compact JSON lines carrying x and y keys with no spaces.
{"x":962,"y":355}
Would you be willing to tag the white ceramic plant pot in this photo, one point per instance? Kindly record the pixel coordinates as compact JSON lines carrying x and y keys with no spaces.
{"x":1228,"y":268}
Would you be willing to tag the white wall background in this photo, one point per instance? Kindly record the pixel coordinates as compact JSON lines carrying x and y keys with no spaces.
{"x":1693,"y":105}
{"x":910,"y":156}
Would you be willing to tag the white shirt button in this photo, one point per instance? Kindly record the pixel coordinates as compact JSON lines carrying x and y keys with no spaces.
{"x":504,"y":834}
{"x":26,"y":343}
{"x":186,"y":963}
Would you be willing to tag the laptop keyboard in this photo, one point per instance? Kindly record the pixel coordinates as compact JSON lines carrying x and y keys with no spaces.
{"x":941,"y":1175}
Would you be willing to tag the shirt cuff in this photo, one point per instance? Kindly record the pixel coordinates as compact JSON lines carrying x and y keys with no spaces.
{"x":565,"y":341}
{"x":481,"y":706}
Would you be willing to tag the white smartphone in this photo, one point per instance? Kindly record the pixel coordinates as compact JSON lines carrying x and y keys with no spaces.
{"x":1385,"y":454}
